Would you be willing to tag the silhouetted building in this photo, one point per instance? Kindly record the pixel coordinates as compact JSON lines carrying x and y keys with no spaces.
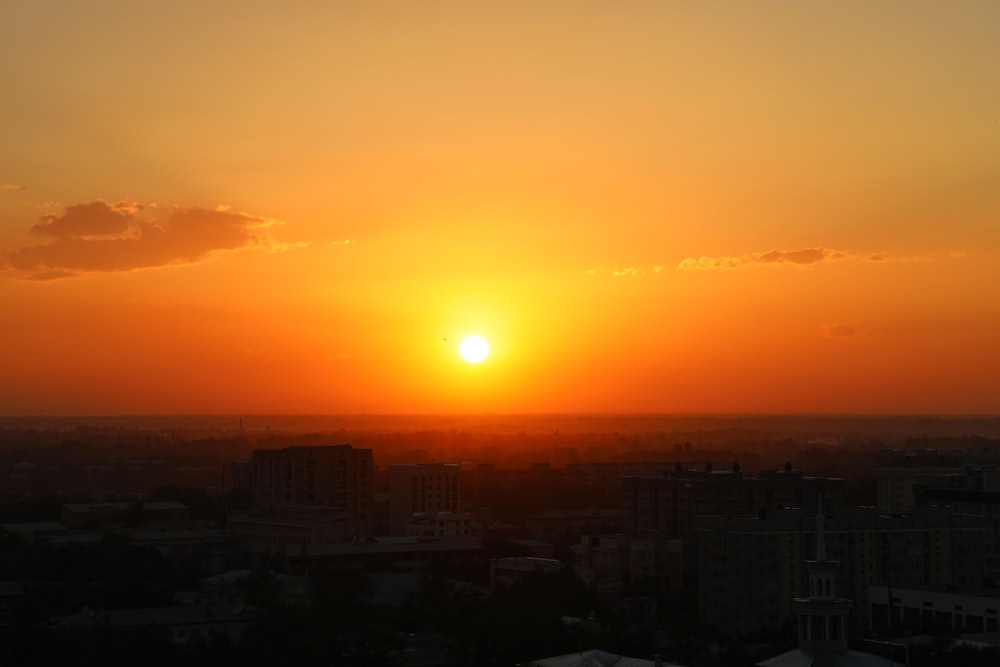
{"x":397,"y":553}
{"x":421,"y":487}
{"x":553,"y":525}
{"x":611,"y":563}
{"x":750,"y":568}
{"x":971,"y":491}
{"x":292,"y":525}
{"x":596,"y":658}
{"x":822,"y":617}
{"x":443,"y":524}
{"x":186,"y":625}
{"x":672,"y":502}
{"x":507,"y":571}
{"x":898,"y":472}
{"x":238,"y":476}
{"x":334,"y":477}
{"x":934,"y":610}
{"x":89,"y":514}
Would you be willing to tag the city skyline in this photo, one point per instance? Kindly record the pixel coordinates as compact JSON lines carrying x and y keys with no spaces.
{"x":643,"y":208}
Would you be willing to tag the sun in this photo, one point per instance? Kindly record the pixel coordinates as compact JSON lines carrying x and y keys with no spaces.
{"x":474,"y":349}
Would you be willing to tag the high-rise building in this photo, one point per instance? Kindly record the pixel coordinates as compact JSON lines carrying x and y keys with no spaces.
{"x":671,"y":502}
{"x":749,"y":569}
{"x":421,"y":487}
{"x":332,"y":476}
{"x":822,"y":617}
{"x":900,"y":474}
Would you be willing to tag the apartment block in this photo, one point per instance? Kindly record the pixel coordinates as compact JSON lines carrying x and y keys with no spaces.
{"x":750,"y":568}
{"x":672,"y":502}
{"x":332,"y":476}
{"x":419,"y":488}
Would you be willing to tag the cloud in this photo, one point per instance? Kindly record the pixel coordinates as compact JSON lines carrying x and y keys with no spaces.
{"x":840,"y":330}
{"x":14,"y":187}
{"x":847,"y":330}
{"x":802,"y":257}
{"x":83,"y":220}
{"x":622,"y":272}
{"x":101,"y":237}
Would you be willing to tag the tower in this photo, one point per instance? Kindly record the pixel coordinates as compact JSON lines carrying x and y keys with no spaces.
{"x":822,"y":615}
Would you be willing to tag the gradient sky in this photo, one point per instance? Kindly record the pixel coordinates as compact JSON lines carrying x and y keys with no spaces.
{"x":302,"y":207}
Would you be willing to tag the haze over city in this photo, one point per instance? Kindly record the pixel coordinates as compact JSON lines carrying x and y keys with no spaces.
{"x":642,"y":207}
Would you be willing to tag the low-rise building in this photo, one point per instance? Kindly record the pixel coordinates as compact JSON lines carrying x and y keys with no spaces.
{"x":75,"y":515}
{"x":413,"y":553}
{"x":937,"y":609}
{"x":291,"y":526}
{"x":443,"y":524}
{"x":612,"y":563}
{"x":186,"y":624}
{"x":507,"y":571}
{"x":553,"y":525}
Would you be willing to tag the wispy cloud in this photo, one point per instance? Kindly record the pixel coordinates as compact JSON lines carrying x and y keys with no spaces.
{"x":623,"y":272}
{"x":801,"y":257}
{"x":102,"y":237}
{"x":12,"y":187}
{"x":843,"y":330}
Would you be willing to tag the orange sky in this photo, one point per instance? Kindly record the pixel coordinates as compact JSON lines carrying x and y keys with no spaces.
{"x":644,"y":206}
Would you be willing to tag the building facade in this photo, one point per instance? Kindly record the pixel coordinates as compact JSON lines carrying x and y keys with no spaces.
{"x":419,"y":488}
{"x":613,"y":563}
{"x":333,"y":477}
{"x":749,"y":569}
{"x":672,"y":502}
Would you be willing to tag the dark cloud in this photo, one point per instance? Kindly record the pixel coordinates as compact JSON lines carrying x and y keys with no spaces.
{"x":101,"y":238}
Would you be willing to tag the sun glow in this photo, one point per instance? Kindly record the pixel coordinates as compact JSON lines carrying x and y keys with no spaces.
{"x":474,"y":349}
